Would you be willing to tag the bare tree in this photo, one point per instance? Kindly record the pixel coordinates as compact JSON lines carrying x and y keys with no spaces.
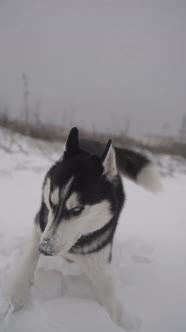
{"x":26,"y":93}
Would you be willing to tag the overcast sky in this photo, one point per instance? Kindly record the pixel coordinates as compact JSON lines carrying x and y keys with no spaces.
{"x":99,"y":62}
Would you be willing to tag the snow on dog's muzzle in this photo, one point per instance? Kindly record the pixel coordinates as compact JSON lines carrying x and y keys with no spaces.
{"x":46,"y":248}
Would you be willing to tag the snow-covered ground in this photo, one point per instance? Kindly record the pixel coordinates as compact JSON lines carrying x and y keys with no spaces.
{"x":149,"y":257}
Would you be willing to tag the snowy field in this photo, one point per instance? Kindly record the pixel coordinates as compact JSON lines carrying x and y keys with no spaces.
{"x":149,"y":256}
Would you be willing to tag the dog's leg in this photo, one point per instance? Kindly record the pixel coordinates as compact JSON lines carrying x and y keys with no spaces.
{"x":21,"y":286}
{"x":100,"y":274}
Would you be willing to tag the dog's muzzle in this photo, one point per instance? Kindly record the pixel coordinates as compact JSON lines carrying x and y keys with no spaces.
{"x":45,"y":248}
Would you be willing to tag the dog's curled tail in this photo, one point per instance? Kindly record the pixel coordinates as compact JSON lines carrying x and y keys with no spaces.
{"x":138,"y":168}
{"x":131,"y":164}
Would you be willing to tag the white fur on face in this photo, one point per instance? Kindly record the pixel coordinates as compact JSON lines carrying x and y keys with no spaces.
{"x":72,"y":201}
{"x":46,"y":193}
{"x":48,"y":237}
{"x":55,"y":196}
{"x":55,"y":193}
{"x":64,"y":236}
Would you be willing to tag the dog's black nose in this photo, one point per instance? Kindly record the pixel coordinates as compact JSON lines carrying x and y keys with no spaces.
{"x":46,"y":249}
{"x":45,"y":252}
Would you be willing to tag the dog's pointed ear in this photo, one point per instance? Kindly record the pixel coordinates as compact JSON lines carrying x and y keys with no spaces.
{"x":109,"y":161}
{"x":72,"y":143}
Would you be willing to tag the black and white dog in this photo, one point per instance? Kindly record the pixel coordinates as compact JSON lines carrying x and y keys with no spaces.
{"x":82,"y":198}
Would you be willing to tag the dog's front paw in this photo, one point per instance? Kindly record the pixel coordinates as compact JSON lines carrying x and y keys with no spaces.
{"x":125,"y":320}
{"x":19,"y":294}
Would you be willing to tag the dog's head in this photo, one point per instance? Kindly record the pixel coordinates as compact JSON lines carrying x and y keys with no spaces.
{"x":78,"y":193}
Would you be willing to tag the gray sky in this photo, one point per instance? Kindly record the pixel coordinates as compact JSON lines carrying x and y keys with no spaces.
{"x":97,"y":61}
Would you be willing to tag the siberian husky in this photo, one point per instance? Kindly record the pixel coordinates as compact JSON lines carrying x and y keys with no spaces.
{"x":82,"y":198}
